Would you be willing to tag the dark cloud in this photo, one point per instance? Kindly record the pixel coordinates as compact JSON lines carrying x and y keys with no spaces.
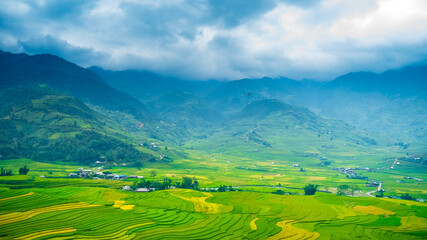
{"x":224,"y":39}
{"x":233,"y":13}
{"x":52,"y":45}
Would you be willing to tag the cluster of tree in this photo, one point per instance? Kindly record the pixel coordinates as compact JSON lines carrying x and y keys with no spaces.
{"x":407,"y":197}
{"x":345,"y":189}
{"x":188,"y":182}
{"x":6,"y":172}
{"x":23,"y":170}
{"x":310,"y":189}
{"x":223,"y":188}
{"x":280,"y":192}
{"x":167,"y":183}
{"x":381,"y":193}
{"x":324,"y":163}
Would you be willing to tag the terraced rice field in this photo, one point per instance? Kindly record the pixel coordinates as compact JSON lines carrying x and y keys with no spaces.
{"x":101,"y":213}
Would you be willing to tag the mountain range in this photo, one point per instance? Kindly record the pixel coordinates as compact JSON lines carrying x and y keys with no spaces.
{"x":49,"y":104}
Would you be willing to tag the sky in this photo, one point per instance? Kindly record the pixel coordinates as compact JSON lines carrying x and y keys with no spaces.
{"x":222,"y":39}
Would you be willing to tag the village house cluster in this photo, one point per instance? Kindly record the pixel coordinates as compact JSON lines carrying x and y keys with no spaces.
{"x":87,"y":173}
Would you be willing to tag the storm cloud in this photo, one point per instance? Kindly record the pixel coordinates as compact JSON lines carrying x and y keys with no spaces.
{"x":222,"y":39}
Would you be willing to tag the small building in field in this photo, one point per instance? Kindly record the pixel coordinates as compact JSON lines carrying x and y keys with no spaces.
{"x":73,"y":175}
{"x":142,"y":190}
{"x":109,"y":176}
{"x":126,"y":188}
{"x":43,"y":176}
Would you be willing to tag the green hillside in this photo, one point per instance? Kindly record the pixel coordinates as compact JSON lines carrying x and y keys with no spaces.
{"x":68,"y":78}
{"x":185,"y":110}
{"x":38,"y":123}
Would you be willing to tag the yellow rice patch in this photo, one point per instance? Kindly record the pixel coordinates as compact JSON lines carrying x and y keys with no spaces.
{"x":373,"y":210}
{"x":412,"y":224}
{"x":316,"y":178}
{"x":121,"y":204}
{"x":200,"y":204}
{"x":118,"y":203}
{"x":252,"y":224}
{"x":23,"y":195}
{"x":46,"y":233}
{"x":291,"y":232}
{"x":21,"y":216}
{"x":127,"y":207}
{"x":400,"y":201}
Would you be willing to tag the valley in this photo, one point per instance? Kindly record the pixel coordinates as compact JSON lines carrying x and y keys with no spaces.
{"x":217,"y":160}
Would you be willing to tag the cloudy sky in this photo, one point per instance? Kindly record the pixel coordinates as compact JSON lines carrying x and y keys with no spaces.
{"x":222,"y":39}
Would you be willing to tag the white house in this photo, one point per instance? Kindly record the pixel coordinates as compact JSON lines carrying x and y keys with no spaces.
{"x":142,"y":190}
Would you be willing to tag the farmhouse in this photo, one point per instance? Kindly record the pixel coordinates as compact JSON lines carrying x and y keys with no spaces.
{"x":142,"y":190}
{"x":126,"y":188}
{"x":73,"y":175}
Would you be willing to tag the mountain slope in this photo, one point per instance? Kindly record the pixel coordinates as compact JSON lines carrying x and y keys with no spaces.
{"x":235,"y":95}
{"x":38,"y":123}
{"x":408,"y":81}
{"x":185,"y":110}
{"x":146,"y":86}
{"x":68,"y":78}
{"x":272,"y":127}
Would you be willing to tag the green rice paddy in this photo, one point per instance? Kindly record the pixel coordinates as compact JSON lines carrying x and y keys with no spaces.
{"x":89,"y":213}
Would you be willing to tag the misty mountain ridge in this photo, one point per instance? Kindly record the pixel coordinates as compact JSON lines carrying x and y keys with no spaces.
{"x":21,"y":69}
{"x":269,"y":112}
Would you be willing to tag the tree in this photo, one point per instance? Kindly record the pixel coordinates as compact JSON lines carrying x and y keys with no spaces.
{"x":407,"y":197}
{"x":24,"y":170}
{"x":153,"y":174}
{"x":167,"y":182}
{"x":187,"y":182}
{"x":310,"y":189}
{"x":222,"y":188}
{"x":381,"y":191}
{"x":354,"y":187}
{"x":5,"y":172}
{"x":279,"y":192}
{"x":196,"y":183}
{"x":343,"y":190}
